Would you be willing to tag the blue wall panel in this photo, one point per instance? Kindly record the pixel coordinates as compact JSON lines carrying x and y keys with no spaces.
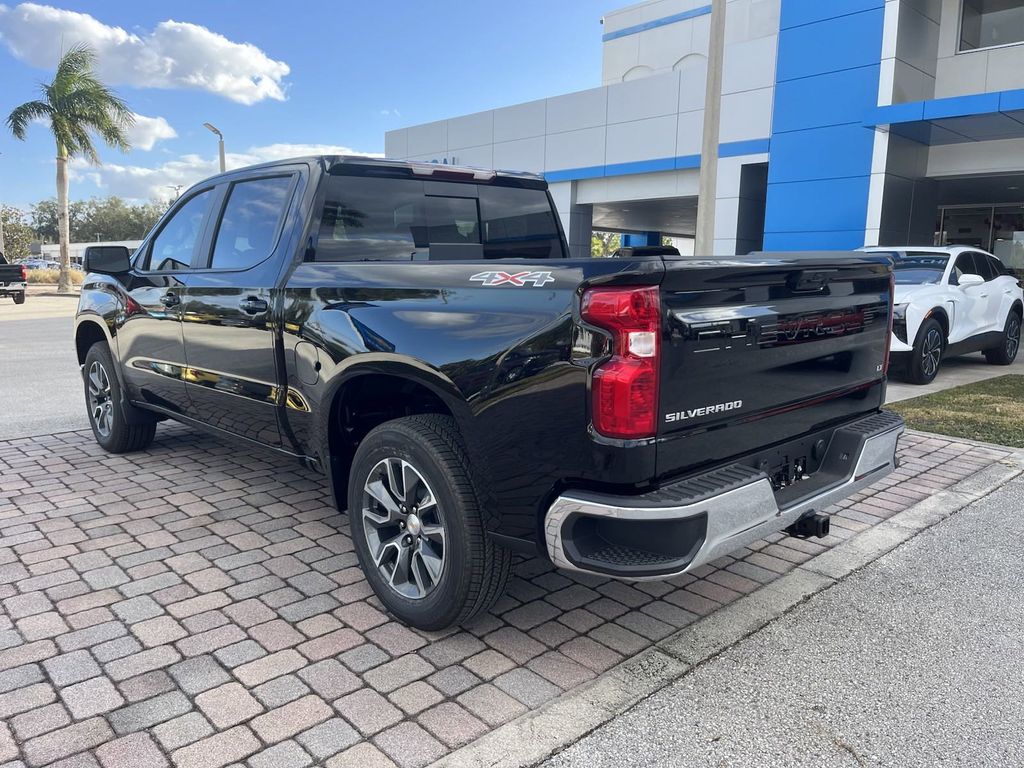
{"x":796,"y":13}
{"x":838,"y":151}
{"x":831,"y":46}
{"x":799,"y":103}
{"x":814,"y":241}
{"x":826,"y":81}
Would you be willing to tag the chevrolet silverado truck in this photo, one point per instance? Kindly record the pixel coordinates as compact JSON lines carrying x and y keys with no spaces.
{"x":13,"y":280}
{"x":419,"y":334}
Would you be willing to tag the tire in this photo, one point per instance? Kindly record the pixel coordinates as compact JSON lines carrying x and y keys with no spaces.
{"x":433,"y":565}
{"x":1006,"y":352}
{"x":926,"y":359}
{"x":19,"y":298}
{"x":110,"y":427}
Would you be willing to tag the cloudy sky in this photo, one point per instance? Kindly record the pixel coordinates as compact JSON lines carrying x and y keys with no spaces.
{"x":282,"y":78}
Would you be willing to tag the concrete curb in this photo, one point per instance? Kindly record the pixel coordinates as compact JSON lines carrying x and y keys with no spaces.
{"x":530,"y":739}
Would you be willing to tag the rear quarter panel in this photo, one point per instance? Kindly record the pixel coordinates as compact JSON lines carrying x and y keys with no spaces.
{"x":506,"y":360}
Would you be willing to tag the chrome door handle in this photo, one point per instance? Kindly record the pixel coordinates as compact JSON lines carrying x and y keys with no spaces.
{"x":253,"y":305}
{"x":170,"y":299}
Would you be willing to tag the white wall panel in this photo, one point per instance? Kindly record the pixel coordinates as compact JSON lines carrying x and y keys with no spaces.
{"x":520,"y":155}
{"x":471,"y":130}
{"x":749,"y":65}
{"x":583,"y":109}
{"x":521,"y":121}
{"x":650,"y":97}
{"x":746,"y":115}
{"x":574,"y":149}
{"x":647,"y":139}
{"x":429,"y":138}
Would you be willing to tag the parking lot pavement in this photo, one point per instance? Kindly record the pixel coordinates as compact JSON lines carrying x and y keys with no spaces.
{"x":39,"y":375}
{"x":198,"y":605}
{"x":913,"y":661}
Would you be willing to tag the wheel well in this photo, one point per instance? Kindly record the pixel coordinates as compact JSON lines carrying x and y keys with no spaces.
{"x":942,"y":318}
{"x":364,"y":403}
{"x":1018,"y":308}
{"x":87,"y":335}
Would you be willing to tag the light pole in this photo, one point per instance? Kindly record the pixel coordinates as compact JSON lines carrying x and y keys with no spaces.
{"x":220,"y":143}
{"x":177,"y":187}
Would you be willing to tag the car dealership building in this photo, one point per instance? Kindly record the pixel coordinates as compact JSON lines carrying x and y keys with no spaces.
{"x":842,"y":123}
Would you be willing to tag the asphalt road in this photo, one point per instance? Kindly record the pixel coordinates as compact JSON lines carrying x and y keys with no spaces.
{"x":915,"y":661}
{"x":40,"y":385}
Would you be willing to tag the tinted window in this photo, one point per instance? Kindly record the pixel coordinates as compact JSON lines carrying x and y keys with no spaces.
{"x":965,"y":265}
{"x":387,"y":219}
{"x":998,"y":268}
{"x":919,"y":268}
{"x":248,"y":228}
{"x":520,"y":223}
{"x":987,"y":23}
{"x":984,"y":267}
{"x":172,"y":248}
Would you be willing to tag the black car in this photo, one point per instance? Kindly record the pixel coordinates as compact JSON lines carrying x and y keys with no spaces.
{"x":13,"y":280}
{"x":419,"y":334}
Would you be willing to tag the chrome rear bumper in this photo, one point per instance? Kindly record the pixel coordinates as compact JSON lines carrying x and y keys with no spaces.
{"x":708,"y":516}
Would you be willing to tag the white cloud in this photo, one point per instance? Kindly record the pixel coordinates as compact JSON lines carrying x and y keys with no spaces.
{"x":147,"y":131}
{"x":136,"y":182}
{"x":174,"y":54}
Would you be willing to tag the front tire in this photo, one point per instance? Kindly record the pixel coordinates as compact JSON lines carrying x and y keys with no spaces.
{"x":416,"y":516}
{"x":110,"y":426}
{"x":1006,"y":352}
{"x":926,"y":359}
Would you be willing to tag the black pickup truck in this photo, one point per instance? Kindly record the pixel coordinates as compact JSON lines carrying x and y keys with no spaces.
{"x":13,"y":280}
{"x":419,"y":334}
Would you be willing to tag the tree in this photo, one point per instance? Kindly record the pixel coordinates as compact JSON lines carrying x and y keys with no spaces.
{"x":100,"y":218}
{"x":76,"y":105}
{"x":17,"y":233}
{"x":604,"y":244}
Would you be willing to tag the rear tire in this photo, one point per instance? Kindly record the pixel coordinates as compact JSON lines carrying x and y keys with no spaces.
{"x":1007,"y":350}
{"x":110,"y":426}
{"x":415,"y":509}
{"x":19,"y":298}
{"x":926,"y":359}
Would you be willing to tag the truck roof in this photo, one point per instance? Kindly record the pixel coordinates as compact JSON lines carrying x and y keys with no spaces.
{"x":418,"y":168}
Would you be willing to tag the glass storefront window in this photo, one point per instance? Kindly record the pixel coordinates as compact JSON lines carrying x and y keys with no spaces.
{"x":998,"y":229}
{"x":989,"y":23}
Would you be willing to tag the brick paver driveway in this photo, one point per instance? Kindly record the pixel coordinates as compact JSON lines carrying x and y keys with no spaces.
{"x":200,"y":605}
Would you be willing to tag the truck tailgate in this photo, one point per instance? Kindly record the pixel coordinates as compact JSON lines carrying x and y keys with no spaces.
{"x":767,"y":348}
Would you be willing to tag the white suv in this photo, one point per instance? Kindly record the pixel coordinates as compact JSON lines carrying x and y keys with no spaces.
{"x":952,"y":301}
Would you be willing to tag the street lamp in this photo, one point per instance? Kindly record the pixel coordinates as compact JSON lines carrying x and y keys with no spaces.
{"x":220,"y":143}
{"x":176,"y":188}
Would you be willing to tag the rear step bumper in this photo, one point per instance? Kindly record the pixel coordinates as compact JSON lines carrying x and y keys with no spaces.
{"x":669,"y":531}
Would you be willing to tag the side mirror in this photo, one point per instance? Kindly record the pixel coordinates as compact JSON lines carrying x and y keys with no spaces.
{"x":966,"y":281}
{"x":107,"y":259}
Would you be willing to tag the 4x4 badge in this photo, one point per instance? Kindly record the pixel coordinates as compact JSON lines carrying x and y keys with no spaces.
{"x":518,"y":279}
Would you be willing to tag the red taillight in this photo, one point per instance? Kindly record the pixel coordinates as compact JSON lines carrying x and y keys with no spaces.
{"x":888,"y":336}
{"x":625,"y":388}
{"x":24,"y":274}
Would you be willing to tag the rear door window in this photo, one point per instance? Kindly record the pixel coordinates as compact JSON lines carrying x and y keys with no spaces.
{"x":248,"y":228}
{"x":984,"y":268}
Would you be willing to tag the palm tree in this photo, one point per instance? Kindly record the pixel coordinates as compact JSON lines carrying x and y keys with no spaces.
{"x":76,"y":104}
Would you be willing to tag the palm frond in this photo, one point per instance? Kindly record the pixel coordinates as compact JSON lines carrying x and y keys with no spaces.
{"x":21,"y":116}
{"x":78,"y":105}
